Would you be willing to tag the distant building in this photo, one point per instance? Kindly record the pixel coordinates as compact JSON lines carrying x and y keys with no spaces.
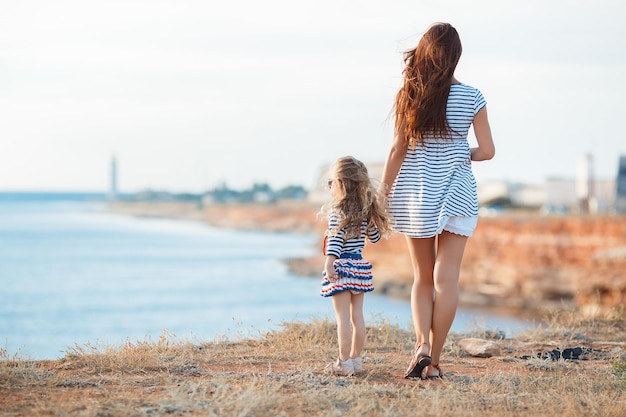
{"x":583,"y":194}
{"x":561,"y":196}
{"x":554,"y":195}
{"x":490,"y":191}
{"x":529,"y":195}
{"x":620,"y":186}
{"x":584,"y":183}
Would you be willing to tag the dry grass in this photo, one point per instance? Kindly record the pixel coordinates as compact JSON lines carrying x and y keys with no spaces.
{"x":280,"y":374}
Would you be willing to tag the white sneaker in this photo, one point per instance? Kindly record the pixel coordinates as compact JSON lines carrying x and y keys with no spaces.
{"x":342,"y":368}
{"x":357,"y":364}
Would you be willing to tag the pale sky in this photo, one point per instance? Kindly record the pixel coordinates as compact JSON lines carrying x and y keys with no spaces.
{"x":189,"y":94}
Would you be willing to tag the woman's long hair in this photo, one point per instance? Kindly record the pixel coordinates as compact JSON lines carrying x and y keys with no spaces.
{"x":355,"y":199}
{"x":420,"y":105}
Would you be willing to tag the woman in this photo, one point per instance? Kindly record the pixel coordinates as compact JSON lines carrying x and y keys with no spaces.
{"x":430,"y":186}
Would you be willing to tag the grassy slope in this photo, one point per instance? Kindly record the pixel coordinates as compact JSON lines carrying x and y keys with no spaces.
{"x":280,"y":374}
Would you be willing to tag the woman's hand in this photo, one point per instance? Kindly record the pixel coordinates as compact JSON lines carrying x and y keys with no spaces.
{"x":381,"y":197}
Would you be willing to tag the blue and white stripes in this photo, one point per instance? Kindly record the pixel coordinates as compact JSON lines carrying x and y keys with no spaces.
{"x":436,"y":181}
{"x":355,"y":274}
{"x":337,"y":243}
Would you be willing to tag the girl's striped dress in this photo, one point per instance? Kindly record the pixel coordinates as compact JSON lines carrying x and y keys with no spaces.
{"x":355,"y":273}
{"x":435,"y":181}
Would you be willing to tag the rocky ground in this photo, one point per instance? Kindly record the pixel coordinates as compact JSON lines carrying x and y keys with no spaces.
{"x":281,"y":374}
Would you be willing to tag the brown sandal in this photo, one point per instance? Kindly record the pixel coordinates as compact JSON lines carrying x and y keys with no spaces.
{"x":418,"y":363}
{"x":439,"y":376}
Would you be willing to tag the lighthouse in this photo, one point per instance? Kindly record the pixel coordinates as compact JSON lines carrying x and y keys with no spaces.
{"x":584,"y":184}
{"x":113,"y":186}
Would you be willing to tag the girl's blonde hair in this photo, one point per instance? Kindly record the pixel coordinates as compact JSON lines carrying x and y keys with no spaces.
{"x":355,"y":199}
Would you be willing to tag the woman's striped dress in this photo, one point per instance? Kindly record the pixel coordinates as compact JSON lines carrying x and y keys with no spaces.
{"x":435,"y":182}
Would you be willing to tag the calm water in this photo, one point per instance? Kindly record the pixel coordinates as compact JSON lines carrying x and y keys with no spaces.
{"x":72,"y":273}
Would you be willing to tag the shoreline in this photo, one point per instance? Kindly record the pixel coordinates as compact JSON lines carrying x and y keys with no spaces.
{"x":295,"y":217}
{"x":516,"y":262}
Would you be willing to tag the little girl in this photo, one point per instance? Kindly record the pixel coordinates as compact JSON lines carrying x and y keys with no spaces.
{"x":353,"y":215}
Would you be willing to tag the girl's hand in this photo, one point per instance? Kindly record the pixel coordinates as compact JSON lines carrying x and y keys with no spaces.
{"x":329,"y":269}
{"x":331,"y":274}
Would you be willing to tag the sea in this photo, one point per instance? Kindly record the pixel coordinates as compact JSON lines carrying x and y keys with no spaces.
{"x":75,"y":275}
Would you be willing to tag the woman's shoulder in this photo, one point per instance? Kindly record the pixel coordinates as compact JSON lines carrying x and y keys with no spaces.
{"x":465,"y":93}
{"x":463,"y":87}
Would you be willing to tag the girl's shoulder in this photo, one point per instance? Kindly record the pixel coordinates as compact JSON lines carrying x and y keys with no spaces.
{"x":334,"y":216}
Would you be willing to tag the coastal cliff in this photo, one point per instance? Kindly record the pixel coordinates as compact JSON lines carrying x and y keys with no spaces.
{"x":532,"y":263}
{"x":525,"y":262}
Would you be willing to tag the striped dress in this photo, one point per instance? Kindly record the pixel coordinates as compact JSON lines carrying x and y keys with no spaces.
{"x":355,"y":273}
{"x":435,"y":181}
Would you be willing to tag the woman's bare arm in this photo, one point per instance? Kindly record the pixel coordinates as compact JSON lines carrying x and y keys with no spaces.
{"x":485,"y":149}
{"x":393,"y":163}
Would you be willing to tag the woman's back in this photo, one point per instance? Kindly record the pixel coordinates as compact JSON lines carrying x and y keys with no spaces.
{"x":439,"y":172}
{"x":464,"y":102}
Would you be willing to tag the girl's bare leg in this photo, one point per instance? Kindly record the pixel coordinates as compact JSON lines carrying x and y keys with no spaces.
{"x":422,"y":253}
{"x":341,"y":304}
{"x":358,"y":324}
{"x":450,"y":248}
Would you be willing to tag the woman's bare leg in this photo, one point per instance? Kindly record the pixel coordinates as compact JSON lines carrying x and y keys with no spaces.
{"x":422,"y":253}
{"x":358,"y":324}
{"x":341,"y":304}
{"x":450,"y":248}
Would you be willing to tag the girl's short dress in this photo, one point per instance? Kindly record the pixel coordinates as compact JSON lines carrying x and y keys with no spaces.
{"x":355,"y":275}
{"x":435,"y":189}
{"x":355,"y":272}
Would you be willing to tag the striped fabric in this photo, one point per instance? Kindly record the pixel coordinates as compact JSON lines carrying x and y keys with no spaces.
{"x":336,"y":245}
{"x":435,"y":181}
{"x":355,"y":274}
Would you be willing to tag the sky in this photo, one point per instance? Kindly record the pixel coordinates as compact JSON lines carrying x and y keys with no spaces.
{"x":189,"y":95}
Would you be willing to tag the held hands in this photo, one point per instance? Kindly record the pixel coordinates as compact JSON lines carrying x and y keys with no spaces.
{"x":382,"y":199}
{"x":382,"y":196}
